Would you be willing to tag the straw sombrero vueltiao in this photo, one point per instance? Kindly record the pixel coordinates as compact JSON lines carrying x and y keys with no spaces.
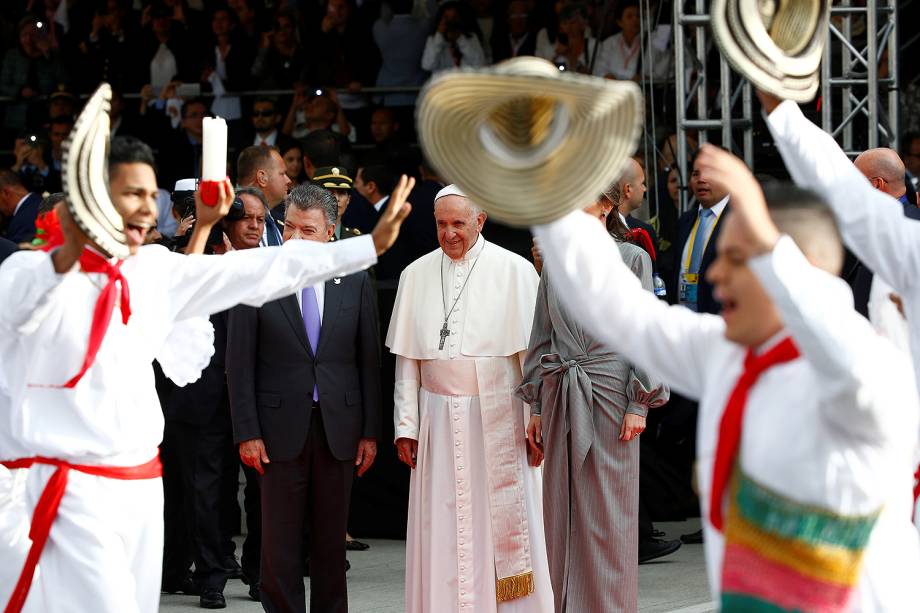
{"x":776,"y":44}
{"x":526,"y":142}
{"x":85,"y":170}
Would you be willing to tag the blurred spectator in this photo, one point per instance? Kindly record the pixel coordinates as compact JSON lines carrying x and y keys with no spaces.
{"x":293,"y":163}
{"x":280,"y":61}
{"x":343,"y":53}
{"x":401,"y":37}
{"x":317,"y":109}
{"x":548,"y":37}
{"x":19,"y":206}
{"x":264,"y":122}
{"x":321,"y":148}
{"x":373,"y":184}
{"x":229,"y":69}
{"x":621,"y":52}
{"x":484,"y":12}
{"x":454,"y":43}
{"x":384,"y":127}
{"x":31,"y":163}
{"x":165,"y":48}
{"x":910,"y":153}
{"x":62,"y":103}
{"x":249,"y":22}
{"x":180,"y":150}
{"x":108,"y":53}
{"x":575,"y":49}
{"x":339,"y":185}
{"x":58,"y":131}
{"x":32,"y":69}
{"x":515,"y":37}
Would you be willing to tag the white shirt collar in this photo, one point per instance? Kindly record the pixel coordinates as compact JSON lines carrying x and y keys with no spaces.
{"x":379,"y":204}
{"x":21,"y":201}
{"x":623,"y":219}
{"x":268,"y":140}
{"x":718,"y":207}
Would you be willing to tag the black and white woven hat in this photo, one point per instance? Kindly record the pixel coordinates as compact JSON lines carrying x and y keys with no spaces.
{"x":526,"y":142}
{"x":85,"y":170}
{"x":776,"y":44}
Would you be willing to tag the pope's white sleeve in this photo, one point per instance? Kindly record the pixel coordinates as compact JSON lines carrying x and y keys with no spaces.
{"x":206,"y":284}
{"x":839,"y":344}
{"x":405,"y":398}
{"x":597,"y":288}
{"x":27,"y":283}
{"x":872,"y":223}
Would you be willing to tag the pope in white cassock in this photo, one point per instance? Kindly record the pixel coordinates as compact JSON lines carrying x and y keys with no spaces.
{"x":460,"y":329}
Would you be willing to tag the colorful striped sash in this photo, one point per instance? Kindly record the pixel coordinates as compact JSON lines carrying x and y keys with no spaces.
{"x":781,"y":555}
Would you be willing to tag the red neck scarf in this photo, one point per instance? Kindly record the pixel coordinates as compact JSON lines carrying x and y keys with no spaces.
{"x":733,"y":416}
{"x":90,"y":261}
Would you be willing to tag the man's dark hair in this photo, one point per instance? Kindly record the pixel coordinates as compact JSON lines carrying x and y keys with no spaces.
{"x":806,"y":217}
{"x":322,"y":148}
{"x":266,"y":99}
{"x":130,"y":150}
{"x":251,"y":160}
{"x":8,"y":178}
{"x":61,"y":119}
{"x":254,"y":192}
{"x":50,"y":201}
{"x":189,"y":103}
{"x":621,"y":7}
{"x":380,"y":174}
{"x":576,"y":9}
{"x":401,"y":7}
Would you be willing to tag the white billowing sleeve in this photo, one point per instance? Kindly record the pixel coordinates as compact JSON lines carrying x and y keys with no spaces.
{"x":187,"y":350}
{"x":839,"y":344}
{"x":872,"y":223}
{"x":207,"y":284}
{"x":27,"y":282}
{"x":405,"y":398}
{"x":596,"y":287}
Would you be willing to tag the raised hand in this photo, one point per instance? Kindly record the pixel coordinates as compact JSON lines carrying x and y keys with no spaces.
{"x":398,"y":208}
{"x":724,"y":170}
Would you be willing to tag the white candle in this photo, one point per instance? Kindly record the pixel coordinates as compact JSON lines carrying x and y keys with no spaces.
{"x":214,"y":149}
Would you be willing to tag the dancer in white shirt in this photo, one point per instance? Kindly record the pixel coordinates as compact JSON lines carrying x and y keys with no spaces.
{"x":804,"y":468}
{"x":86,"y":412}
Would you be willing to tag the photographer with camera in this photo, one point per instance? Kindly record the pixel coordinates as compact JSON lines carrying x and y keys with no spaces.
{"x":198,"y":450}
{"x":455,"y":43}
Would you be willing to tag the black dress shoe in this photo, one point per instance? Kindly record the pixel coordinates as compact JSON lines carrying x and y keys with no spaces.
{"x":212,"y":599}
{"x":354,"y":545}
{"x":656,"y":548}
{"x":694,"y":538}
{"x":255,"y":593}
{"x":658,"y":534}
{"x":186,"y":586}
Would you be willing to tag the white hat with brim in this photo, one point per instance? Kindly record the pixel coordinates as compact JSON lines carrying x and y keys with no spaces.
{"x":526,"y":142}
{"x":85,"y":175}
{"x":779,"y":53}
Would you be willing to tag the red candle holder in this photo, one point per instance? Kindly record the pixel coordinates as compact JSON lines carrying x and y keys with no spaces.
{"x":210,"y":192}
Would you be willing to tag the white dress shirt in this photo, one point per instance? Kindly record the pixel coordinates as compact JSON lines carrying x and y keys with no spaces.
{"x":710,"y":224}
{"x":819,"y":431}
{"x":268,"y":141}
{"x":20,"y":203}
{"x":379,"y":204}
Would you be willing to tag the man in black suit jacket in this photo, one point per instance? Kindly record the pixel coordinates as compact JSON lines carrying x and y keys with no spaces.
{"x":19,"y":205}
{"x":698,"y":231}
{"x":304,"y":396}
{"x":514,"y":38}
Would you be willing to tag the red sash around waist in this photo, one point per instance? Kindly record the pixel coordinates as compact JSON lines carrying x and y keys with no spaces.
{"x":47,"y":507}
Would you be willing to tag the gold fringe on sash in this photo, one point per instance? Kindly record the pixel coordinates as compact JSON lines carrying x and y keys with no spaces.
{"x":518,"y":586}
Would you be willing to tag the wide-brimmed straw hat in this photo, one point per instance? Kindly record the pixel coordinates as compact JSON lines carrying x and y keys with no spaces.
{"x":526,"y":142}
{"x":85,"y":169}
{"x":777,"y":45}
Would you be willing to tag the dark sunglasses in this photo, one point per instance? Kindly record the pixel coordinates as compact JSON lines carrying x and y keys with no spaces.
{"x":263,"y":113}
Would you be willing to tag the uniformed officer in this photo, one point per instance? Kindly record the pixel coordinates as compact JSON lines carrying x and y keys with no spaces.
{"x":337,"y":181}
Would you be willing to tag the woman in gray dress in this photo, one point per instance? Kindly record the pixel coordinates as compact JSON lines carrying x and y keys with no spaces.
{"x":588,"y":406}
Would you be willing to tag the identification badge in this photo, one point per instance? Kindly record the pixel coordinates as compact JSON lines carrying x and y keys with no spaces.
{"x":687,"y":292}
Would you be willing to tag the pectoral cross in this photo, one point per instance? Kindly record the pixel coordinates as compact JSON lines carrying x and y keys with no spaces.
{"x":444,"y":334}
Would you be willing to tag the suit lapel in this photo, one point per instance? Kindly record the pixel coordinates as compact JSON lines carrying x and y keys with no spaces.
{"x":291,"y":309}
{"x":332,"y":303}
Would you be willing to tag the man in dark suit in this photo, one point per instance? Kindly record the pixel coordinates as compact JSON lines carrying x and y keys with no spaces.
{"x":19,"y":205}
{"x":697,"y":234}
{"x":263,"y":130}
{"x":263,"y":167}
{"x":304,"y":379}
{"x":515,"y":38}
{"x":632,"y":195}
